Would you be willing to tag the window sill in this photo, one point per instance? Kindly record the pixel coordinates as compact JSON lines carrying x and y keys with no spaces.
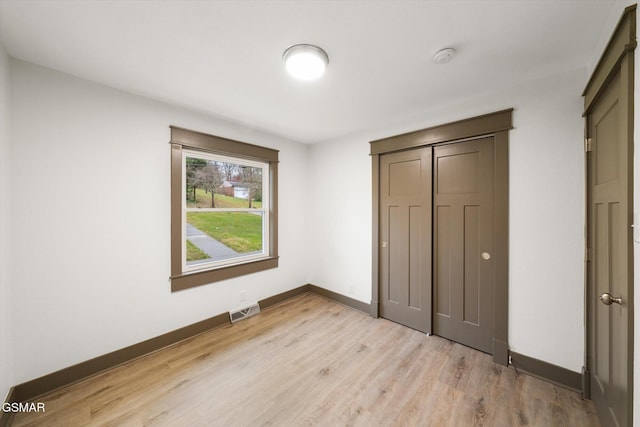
{"x":198,"y":278}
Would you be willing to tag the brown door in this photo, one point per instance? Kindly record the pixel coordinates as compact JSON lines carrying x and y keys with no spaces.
{"x":463,"y":231}
{"x":405,"y":238}
{"x":610,"y":239}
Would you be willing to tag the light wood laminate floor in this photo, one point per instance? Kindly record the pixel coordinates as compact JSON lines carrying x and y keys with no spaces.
{"x":311,"y":361}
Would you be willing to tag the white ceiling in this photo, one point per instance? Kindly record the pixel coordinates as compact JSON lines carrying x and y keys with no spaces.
{"x":224,"y":57}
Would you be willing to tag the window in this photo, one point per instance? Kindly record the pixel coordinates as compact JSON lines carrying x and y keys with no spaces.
{"x":223,"y":208}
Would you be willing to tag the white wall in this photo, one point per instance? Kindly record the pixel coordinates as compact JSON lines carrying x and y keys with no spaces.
{"x":90,"y":210}
{"x":547,"y":220}
{"x":546,"y":212}
{"x":340,"y":184}
{"x":6,"y":377}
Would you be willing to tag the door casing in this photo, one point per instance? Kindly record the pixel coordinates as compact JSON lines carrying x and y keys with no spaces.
{"x":497,"y":125}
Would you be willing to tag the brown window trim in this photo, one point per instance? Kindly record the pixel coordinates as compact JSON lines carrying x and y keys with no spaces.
{"x":184,"y":138}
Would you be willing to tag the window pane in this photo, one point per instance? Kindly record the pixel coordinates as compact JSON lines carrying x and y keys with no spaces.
{"x":219,"y":184}
{"x":215,"y":236}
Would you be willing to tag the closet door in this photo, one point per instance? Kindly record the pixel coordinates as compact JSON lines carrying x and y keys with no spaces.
{"x":463,"y":243}
{"x":405,"y":237}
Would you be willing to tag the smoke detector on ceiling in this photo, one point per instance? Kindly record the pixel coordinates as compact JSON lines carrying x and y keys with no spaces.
{"x":443,"y":55}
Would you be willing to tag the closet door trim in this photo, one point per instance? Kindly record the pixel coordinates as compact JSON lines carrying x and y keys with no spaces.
{"x":487,"y":124}
{"x":494,"y":124}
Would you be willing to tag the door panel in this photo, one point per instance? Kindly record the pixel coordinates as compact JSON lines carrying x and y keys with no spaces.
{"x":601,"y":252}
{"x":443,"y":262}
{"x":395,"y":264}
{"x":471,"y":309}
{"x":405,"y":235}
{"x":458,"y":174}
{"x":416,"y":216}
{"x":464,"y":230}
{"x":609,"y":237}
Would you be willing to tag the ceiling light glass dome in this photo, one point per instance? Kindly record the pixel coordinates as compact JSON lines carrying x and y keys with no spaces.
{"x":305,"y":61}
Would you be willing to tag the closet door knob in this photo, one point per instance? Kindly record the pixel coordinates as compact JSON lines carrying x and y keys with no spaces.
{"x":607,"y":299}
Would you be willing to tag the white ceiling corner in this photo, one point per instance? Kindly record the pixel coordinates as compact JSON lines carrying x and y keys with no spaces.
{"x":224,"y":57}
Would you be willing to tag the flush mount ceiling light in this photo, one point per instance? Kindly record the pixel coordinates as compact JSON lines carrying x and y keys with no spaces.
{"x":443,"y":56}
{"x":305,"y":61}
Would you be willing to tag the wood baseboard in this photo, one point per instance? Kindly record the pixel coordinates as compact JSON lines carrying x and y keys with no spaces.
{"x":334,"y":296}
{"x":546,"y":371}
{"x":273,"y":300}
{"x":342,"y":299}
{"x":47,"y":383}
{"x":72,"y":374}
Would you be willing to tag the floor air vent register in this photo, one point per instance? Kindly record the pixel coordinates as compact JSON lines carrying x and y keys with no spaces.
{"x":243,"y":313}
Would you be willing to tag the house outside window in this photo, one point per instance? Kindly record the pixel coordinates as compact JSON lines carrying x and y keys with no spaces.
{"x":224,"y":208}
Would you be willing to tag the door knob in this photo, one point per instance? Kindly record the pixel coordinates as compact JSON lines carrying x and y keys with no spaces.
{"x":486,"y":256}
{"x":607,"y":299}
